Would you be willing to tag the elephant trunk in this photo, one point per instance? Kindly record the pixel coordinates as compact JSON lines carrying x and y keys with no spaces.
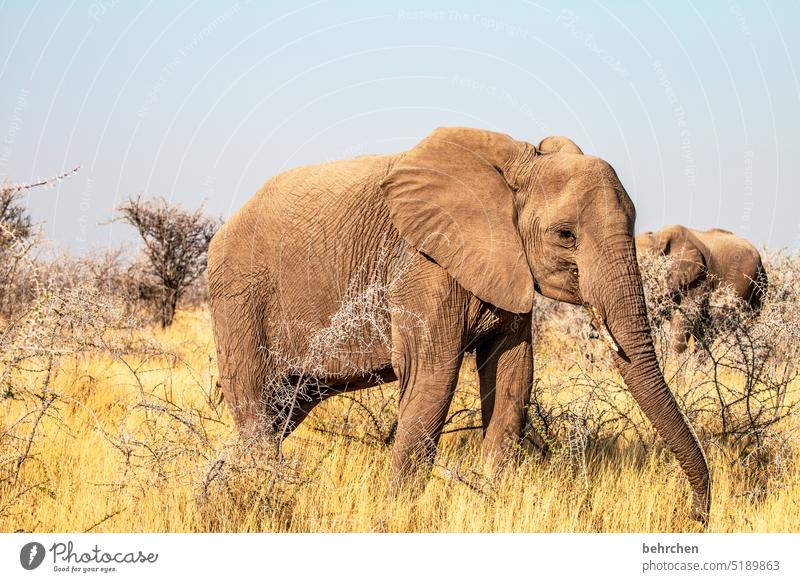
{"x":618,"y":302}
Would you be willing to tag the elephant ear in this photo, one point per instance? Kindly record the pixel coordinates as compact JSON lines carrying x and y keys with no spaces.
{"x":448,"y":198}
{"x":558,"y":144}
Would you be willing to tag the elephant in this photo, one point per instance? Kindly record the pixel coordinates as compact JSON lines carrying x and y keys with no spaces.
{"x":339,"y":276}
{"x":706,"y":260}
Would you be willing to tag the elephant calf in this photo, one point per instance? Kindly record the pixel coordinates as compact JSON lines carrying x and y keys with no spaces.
{"x":342,"y":275}
{"x":704,"y":262}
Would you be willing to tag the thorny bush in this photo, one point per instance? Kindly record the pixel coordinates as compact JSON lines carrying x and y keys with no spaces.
{"x":734,"y":387}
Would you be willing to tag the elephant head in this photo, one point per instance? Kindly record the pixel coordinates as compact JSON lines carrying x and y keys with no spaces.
{"x":690,"y":254}
{"x":506,"y":218}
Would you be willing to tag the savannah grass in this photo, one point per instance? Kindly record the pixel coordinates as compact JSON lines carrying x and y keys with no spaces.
{"x":129,"y":439}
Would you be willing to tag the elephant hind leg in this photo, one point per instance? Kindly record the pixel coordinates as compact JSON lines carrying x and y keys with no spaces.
{"x":243,"y":364}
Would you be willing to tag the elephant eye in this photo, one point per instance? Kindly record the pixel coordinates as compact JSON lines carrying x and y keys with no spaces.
{"x":566,"y":234}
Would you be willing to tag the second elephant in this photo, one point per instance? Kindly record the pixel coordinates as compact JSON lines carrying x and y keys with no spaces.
{"x":705,"y":260}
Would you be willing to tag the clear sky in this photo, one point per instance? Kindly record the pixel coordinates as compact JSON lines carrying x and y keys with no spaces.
{"x":695,"y":103}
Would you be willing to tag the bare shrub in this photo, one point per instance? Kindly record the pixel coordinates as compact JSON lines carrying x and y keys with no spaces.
{"x":369,"y":417}
{"x":108,"y":273}
{"x":33,"y":345}
{"x":196,"y":293}
{"x":734,"y":387}
{"x":175,"y":245}
{"x":58,"y":270}
{"x":19,"y":237}
{"x":183,"y":438}
{"x":19,"y":276}
{"x":15,"y":223}
{"x":174,"y":434}
{"x":737,"y":378}
{"x":751,"y":365}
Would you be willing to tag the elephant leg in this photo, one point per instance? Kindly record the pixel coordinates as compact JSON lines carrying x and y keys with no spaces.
{"x":428,"y":341}
{"x":243,"y":366}
{"x":426,"y":390}
{"x":505,"y":371}
{"x":682,"y":327}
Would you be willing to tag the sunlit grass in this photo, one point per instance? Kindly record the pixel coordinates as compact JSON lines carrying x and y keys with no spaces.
{"x":76,"y":477}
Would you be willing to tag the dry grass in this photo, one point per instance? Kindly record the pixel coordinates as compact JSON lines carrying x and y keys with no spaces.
{"x":126,"y":432}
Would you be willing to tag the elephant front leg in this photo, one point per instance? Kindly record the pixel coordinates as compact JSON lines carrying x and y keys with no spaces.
{"x":682,"y":326}
{"x":690,"y":318}
{"x":505,"y":371}
{"x":426,"y":392}
{"x":428,"y":340}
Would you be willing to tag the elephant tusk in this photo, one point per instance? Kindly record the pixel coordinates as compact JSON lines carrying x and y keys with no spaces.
{"x":602,"y":328}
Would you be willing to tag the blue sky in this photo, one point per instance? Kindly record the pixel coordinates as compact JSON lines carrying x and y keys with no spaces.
{"x":696,"y":104}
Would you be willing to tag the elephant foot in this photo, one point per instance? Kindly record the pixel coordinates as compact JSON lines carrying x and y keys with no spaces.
{"x":409,"y":478}
{"x":507,"y":454}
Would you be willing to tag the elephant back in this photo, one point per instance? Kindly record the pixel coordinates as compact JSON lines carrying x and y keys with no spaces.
{"x":737,"y":263}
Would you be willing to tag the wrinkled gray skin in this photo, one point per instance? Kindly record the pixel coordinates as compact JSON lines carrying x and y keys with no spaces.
{"x":458,"y":233}
{"x":704,"y":262}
